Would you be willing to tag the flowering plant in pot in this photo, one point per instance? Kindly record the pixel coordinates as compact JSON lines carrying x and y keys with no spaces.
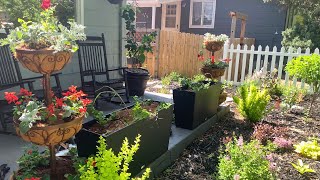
{"x":137,"y":77}
{"x":214,"y":43}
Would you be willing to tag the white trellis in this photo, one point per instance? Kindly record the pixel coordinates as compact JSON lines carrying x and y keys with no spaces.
{"x":262,"y":60}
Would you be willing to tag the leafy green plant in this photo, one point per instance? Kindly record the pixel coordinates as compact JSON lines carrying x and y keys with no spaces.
{"x":47,"y":32}
{"x":292,"y":95}
{"x":134,"y":48}
{"x":172,"y":77}
{"x":308,"y":68}
{"x":107,"y":165}
{"x":252,"y":102}
{"x":30,"y":160}
{"x":302,"y":168}
{"x":245,"y":161}
{"x":139,"y":113}
{"x":310,"y":149}
{"x":196,"y":83}
{"x":209,"y":63}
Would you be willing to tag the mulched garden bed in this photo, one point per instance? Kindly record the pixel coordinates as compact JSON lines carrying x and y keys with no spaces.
{"x":200,"y":159}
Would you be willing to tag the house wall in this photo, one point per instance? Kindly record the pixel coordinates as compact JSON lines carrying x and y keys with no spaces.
{"x":264,"y":19}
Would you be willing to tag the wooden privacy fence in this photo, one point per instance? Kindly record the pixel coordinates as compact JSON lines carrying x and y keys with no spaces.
{"x":264,"y":60}
{"x":176,"y":51}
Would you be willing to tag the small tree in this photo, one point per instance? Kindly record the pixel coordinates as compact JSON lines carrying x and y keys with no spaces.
{"x":307,"y":68}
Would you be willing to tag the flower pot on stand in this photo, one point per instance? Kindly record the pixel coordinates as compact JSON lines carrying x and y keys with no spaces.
{"x":137,"y":79}
{"x":214,"y":46}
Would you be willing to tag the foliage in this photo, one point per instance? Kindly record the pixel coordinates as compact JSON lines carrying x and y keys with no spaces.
{"x":136,"y":49}
{"x":282,"y":143}
{"x":28,"y":110}
{"x":45,"y":33}
{"x":292,"y":95}
{"x":107,"y":165}
{"x":302,"y":168}
{"x":196,"y":83}
{"x":30,"y":160}
{"x":265,"y":132}
{"x":209,"y":63}
{"x":29,"y":11}
{"x":244,"y":161}
{"x":251,"y":101}
{"x":140,"y":113}
{"x":172,"y":77}
{"x":213,"y":37}
{"x":310,"y":149}
{"x":292,"y":38}
{"x":308,"y":68}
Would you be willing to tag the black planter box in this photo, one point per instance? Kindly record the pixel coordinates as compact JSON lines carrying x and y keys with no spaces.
{"x":155,"y":136}
{"x":193,"y":108}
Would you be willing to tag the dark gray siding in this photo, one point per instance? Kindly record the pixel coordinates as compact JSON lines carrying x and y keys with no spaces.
{"x":263,"y":22}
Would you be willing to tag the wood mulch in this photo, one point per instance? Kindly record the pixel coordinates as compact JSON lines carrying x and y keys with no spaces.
{"x":199,"y":160}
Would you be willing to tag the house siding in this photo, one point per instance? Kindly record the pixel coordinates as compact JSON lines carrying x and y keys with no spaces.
{"x":264,"y":20}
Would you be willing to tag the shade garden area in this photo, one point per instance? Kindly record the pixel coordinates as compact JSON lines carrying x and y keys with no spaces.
{"x":271,"y":131}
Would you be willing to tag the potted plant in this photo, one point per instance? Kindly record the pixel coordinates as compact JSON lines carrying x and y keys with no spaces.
{"x":152,"y":120}
{"x":137,"y":77}
{"x":195,"y":101}
{"x":211,"y":68}
{"x":46,"y":46}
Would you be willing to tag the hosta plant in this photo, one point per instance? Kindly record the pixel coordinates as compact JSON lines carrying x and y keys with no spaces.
{"x":46,"y":33}
{"x":108,"y":165}
{"x":310,"y":149}
{"x":30,"y":112}
{"x":252,"y":101}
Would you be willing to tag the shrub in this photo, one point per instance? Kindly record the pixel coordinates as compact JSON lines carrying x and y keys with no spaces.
{"x":307,"y":68}
{"x":266,"y":132}
{"x":251,"y":101}
{"x":107,"y":165}
{"x":244,"y":161}
{"x":172,"y":77}
{"x":292,"y":95}
{"x":309,"y":149}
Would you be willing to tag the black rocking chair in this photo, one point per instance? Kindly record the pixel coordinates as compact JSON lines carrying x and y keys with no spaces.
{"x":94,"y":71}
{"x":10,"y":77}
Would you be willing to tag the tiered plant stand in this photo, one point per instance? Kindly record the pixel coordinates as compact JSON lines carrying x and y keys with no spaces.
{"x":47,"y":62}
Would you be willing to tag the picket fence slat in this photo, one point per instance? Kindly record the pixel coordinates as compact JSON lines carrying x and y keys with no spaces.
{"x":244,"y":63}
{"x":237,"y":65}
{"x":273,"y":61}
{"x":230,"y":63}
{"x":259,"y":59}
{"x":289,"y":59}
{"x":251,"y":60}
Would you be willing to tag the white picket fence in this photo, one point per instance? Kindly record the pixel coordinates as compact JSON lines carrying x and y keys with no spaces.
{"x":264,"y":60}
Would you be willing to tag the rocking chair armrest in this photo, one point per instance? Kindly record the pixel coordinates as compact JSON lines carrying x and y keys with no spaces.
{"x":39,"y":77}
{"x":20,"y":83}
{"x":118,"y":69}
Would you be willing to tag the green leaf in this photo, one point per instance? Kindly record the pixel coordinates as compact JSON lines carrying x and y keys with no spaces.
{"x":25,"y":126}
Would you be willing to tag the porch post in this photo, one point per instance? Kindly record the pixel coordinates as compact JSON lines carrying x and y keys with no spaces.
{"x":153,"y":26}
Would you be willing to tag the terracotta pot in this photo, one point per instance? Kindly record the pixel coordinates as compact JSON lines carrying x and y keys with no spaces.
{"x":212,"y":73}
{"x":43,"y":61}
{"x":222,"y":97}
{"x":214,"y":46}
{"x":51,"y":135}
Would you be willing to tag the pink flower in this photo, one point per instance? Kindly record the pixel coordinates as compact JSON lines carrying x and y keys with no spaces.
{"x":240,"y":141}
{"x":45,"y":4}
{"x":269,"y":157}
{"x":273,"y":166}
{"x":282,"y":143}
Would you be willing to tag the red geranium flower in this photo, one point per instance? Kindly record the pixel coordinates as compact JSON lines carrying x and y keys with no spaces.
{"x":83,"y":110}
{"x":86,"y":102}
{"x":24,"y":92}
{"x":51,"y":108}
{"x":18,"y":103}
{"x":33,"y":178}
{"x":30,"y":152}
{"x":11,"y":97}
{"x":68,"y":93}
{"x":59,"y":102}
{"x":45,"y":4}
{"x":73,"y":89}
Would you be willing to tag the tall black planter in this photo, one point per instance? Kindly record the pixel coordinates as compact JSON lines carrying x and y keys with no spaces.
{"x":193,"y":108}
{"x":137,"y":79}
{"x":155,"y":136}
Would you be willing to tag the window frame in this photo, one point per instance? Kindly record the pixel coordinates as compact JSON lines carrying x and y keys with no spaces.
{"x":214,"y":2}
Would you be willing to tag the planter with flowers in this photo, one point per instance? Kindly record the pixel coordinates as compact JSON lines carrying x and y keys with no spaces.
{"x":137,"y":77}
{"x":213,"y":68}
{"x":46,"y":47}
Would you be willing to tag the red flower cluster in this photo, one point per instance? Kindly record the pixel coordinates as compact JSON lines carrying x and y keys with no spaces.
{"x":11,"y":97}
{"x":24,"y":92}
{"x":45,"y":4}
{"x":33,"y":178}
{"x":212,"y":59}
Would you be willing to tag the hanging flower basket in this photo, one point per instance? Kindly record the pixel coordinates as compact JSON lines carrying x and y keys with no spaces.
{"x":212,"y":73}
{"x":52,"y":134}
{"x":214,"y":46}
{"x":44,"y":61}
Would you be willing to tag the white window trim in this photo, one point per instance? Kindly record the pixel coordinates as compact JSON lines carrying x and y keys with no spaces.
{"x":213,"y":14}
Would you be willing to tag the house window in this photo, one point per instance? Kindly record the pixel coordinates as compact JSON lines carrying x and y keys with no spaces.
{"x":171,"y":12}
{"x":202,"y":13}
